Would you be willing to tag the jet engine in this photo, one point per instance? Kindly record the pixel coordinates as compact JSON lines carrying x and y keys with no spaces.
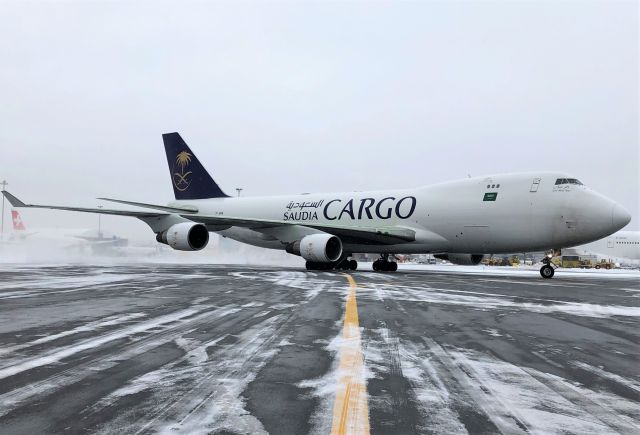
{"x":319,"y":248}
{"x":185,"y":236}
{"x":462,"y":259}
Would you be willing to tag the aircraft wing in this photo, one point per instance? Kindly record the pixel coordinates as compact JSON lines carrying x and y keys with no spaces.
{"x":389,"y":235}
{"x":349,"y":234}
{"x":15,"y":202}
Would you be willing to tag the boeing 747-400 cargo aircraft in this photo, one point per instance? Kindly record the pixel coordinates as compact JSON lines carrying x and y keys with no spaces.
{"x":458,"y":220}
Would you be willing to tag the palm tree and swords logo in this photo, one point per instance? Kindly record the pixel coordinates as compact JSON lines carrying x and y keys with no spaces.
{"x":181,"y":179}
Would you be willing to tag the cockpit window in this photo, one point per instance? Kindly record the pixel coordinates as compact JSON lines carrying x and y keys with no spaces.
{"x":567,"y":181}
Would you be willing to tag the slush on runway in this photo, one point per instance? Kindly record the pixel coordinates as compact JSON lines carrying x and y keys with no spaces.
{"x":213,"y":349}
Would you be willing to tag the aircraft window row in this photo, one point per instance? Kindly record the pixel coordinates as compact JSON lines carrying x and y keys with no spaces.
{"x":629,"y":243}
{"x":493,"y":186}
{"x":567,"y":181}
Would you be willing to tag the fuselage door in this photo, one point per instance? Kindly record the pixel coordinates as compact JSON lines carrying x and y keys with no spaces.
{"x":609,"y":243}
{"x":535,"y":185}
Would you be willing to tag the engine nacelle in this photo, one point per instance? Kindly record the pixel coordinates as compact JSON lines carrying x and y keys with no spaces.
{"x":319,"y":248}
{"x":185,"y":236}
{"x":462,"y":259}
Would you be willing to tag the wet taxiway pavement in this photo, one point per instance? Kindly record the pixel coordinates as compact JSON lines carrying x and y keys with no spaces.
{"x":238,"y":350}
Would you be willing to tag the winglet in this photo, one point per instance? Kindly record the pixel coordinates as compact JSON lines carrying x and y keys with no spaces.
{"x":15,"y":202}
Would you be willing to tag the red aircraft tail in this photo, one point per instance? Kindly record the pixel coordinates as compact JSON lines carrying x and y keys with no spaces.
{"x":18,"y":225}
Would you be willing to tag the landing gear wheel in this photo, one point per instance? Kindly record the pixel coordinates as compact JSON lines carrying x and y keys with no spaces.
{"x":309,"y":265}
{"x":547,"y":271}
{"x":353,"y":264}
{"x":383,"y":265}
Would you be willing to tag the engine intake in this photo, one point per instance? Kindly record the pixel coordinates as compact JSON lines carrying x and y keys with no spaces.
{"x":185,"y":236}
{"x":462,"y":259}
{"x":320,"y":248}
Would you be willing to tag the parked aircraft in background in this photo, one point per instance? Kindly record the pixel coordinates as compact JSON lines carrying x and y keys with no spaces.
{"x":622,"y":247}
{"x":18,"y":225}
{"x":459,"y":220}
{"x":65,"y":238}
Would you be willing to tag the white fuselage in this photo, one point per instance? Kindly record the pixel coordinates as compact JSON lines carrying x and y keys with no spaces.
{"x":623,"y":246}
{"x":495,"y":214}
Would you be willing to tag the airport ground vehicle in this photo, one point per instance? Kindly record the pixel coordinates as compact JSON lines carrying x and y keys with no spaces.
{"x":583,"y":262}
{"x":602,"y":264}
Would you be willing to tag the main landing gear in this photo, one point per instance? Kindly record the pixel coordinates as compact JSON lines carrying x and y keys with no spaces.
{"x":384,"y":265}
{"x":548,"y":269}
{"x":342,"y":264}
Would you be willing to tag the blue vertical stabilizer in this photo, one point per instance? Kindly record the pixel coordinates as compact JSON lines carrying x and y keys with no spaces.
{"x":189,"y":178}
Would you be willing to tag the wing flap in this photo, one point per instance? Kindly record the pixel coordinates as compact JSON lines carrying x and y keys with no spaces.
{"x":184,"y":209}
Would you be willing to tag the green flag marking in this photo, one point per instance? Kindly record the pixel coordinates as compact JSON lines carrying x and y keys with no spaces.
{"x":490,"y":196}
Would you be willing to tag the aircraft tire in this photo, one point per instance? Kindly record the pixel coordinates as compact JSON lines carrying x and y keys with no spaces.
{"x":353,"y":265}
{"x":547,"y":271}
{"x":376,"y":265}
{"x":392,"y":266}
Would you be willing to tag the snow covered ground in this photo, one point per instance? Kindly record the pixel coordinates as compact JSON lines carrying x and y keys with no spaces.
{"x":176,"y":348}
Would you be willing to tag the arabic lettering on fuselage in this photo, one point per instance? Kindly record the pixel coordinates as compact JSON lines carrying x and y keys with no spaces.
{"x":354,"y":209}
{"x":302,"y":205}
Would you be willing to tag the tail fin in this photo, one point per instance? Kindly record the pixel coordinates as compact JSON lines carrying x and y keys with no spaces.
{"x":189,"y":178}
{"x":18,"y":225}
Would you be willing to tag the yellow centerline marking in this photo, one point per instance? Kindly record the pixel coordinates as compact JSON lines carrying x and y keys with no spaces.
{"x":351,"y":408}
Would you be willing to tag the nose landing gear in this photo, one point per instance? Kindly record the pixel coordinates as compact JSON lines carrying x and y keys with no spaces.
{"x":548,"y":269}
{"x":384,"y":265}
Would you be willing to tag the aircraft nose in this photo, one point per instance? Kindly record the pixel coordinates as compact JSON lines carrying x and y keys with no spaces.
{"x":619,"y":216}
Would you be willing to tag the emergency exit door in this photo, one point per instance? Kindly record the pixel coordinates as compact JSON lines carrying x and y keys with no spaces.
{"x":534,"y":185}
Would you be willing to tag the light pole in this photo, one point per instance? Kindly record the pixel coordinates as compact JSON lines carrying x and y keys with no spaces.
{"x":4,"y":185}
{"x":239,"y":189}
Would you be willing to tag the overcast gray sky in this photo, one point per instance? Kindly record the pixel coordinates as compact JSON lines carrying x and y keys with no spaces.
{"x":305,"y":97}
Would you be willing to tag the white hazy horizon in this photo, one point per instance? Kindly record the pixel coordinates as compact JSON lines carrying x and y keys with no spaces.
{"x":281,"y":98}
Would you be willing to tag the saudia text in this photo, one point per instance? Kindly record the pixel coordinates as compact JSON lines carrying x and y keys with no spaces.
{"x":364,"y":208}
